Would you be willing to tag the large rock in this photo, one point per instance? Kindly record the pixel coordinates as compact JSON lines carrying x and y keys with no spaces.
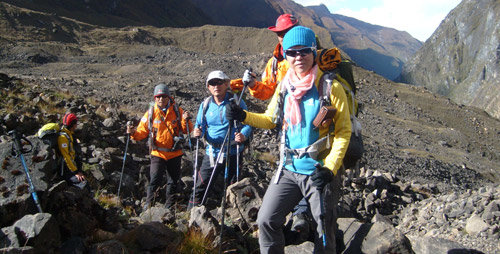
{"x":202,"y":219}
{"x":353,"y":232}
{"x":151,"y":236}
{"x":425,"y":245}
{"x":475,"y":225}
{"x":39,"y":231}
{"x":244,"y":199}
{"x":16,"y":200}
{"x":383,"y":237}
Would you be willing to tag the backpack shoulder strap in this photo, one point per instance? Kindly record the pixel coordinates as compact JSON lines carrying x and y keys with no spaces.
{"x":178,"y":115}
{"x":150,"y":117}
{"x":206,"y":101}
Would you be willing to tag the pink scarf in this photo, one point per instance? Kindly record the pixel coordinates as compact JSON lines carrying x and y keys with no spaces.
{"x":296,"y":88}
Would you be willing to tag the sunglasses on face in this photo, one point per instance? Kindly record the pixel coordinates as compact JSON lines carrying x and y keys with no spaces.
{"x":164,"y":96}
{"x":215,"y":82}
{"x":303,"y":52}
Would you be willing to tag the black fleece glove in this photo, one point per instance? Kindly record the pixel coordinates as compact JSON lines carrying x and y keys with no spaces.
{"x":321,"y":176}
{"x":234,"y":112}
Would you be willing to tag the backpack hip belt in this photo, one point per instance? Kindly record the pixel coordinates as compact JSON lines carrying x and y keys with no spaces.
{"x":313,"y":150}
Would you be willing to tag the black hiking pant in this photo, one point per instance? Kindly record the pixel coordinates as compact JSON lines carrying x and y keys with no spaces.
{"x":159,"y":169}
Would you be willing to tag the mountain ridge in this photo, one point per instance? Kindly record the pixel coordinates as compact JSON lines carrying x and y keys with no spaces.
{"x":377,"y":55}
{"x":461,"y":59}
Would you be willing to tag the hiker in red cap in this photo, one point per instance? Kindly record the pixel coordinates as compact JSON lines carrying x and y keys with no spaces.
{"x":71,"y":169}
{"x":276,"y":67}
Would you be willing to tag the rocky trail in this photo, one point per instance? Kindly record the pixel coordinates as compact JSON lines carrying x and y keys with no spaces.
{"x":431,"y":167}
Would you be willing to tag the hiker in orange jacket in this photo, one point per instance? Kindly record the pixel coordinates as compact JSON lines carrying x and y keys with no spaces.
{"x":276,"y":67}
{"x":165,"y":129}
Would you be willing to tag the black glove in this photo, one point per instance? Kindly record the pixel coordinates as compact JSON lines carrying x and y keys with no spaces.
{"x":234,"y":112}
{"x":321,"y":176}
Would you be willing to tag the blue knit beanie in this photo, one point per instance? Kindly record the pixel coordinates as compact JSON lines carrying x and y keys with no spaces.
{"x":299,"y":35}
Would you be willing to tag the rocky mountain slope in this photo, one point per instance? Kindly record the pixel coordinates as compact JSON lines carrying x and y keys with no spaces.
{"x":376,"y":48}
{"x":430,"y":167}
{"x":461,"y":59}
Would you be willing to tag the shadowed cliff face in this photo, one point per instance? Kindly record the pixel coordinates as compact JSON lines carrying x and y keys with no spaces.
{"x":461,"y":60}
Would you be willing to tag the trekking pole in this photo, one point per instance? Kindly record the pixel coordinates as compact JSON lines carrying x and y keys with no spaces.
{"x":129,"y":123}
{"x":18,"y":151}
{"x":245,"y":84}
{"x":195,"y":170}
{"x":189,"y":137}
{"x":322,"y":215}
{"x":223,"y":204}
{"x":215,"y":166}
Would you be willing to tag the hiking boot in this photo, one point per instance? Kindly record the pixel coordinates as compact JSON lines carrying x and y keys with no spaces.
{"x":301,"y":226}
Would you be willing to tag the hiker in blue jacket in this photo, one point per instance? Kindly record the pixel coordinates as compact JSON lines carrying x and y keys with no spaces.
{"x":211,"y":123}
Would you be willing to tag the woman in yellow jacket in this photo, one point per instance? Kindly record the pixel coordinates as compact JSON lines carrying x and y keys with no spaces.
{"x":307,"y":169}
{"x":164,"y":124}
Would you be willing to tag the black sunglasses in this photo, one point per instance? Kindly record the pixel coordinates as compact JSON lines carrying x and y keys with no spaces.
{"x":303,"y":52}
{"x":215,"y":82}
{"x":164,"y":96}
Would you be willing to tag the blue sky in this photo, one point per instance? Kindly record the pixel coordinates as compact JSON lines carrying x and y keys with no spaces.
{"x":419,"y":18}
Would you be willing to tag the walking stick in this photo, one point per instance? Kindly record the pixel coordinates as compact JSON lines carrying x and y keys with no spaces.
{"x":124,"y":158}
{"x":245,"y":84}
{"x":322,"y":215}
{"x":223,"y":204}
{"x":195,"y":171}
{"x":189,"y":137}
{"x":18,"y":151}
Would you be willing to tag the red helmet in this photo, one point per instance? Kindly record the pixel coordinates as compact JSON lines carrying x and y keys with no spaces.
{"x":69,"y":119}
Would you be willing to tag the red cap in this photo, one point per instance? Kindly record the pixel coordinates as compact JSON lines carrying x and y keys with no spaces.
{"x":69,"y":119}
{"x":283,"y":23}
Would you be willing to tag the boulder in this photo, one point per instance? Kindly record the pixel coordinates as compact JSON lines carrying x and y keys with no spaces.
{"x":424,"y":245}
{"x":151,"y":237}
{"x":201,"y":218}
{"x":383,"y":237}
{"x":40,"y":231}
{"x":475,"y":225}
{"x":244,"y":199}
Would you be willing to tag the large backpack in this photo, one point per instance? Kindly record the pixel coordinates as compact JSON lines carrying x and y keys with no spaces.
{"x":48,"y":134}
